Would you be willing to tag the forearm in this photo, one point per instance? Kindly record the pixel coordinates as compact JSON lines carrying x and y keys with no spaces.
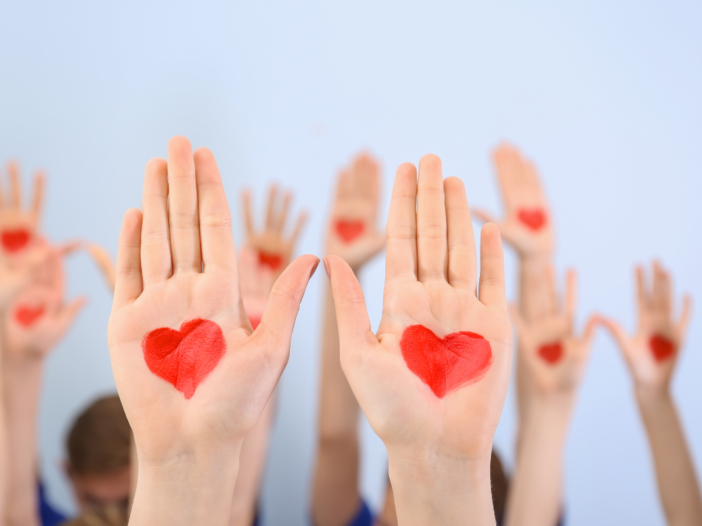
{"x":536,"y":492}
{"x":196,"y":489}
{"x":22,"y":390}
{"x":441,"y":491}
{"x":677,"y":483}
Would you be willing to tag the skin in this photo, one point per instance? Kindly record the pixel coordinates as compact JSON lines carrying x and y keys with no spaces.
{"x":335,"y":495}
{"x":521,"y":188}
{"x":678,"y":486}
{"x":536,"y":493}
{"x":256,"y":284}
{"x":176,"y":262}
{"x":25,"y":350}
{"x":438,"y":449}
{"x":272,"y":238}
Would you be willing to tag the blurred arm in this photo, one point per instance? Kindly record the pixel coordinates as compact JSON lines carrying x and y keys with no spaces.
{"x":675,"y":473}
{"x":335,"y":496}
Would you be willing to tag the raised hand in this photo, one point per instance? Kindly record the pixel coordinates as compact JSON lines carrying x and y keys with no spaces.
{"x":38,"y":318}
{"x":433,"y":380}
{"x":352,"y":232}
{"x":554,"y":354}
{"x":18,"y":226}
{"x":527,"y":225}
{"x":191,"y":373}
{"x":256,"y":283}
{"x":652,"y":351}
{"x":274,"y":249}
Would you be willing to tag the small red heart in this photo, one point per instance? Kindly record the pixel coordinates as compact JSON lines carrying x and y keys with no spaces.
{"x":534,"y":219}
{"x":14,"y":240}
{"x":662,"y":347}
{"x":552,"y":352}
{"x":184,"y":358}
{"x":349,"y":230}
{"x":445,"y":364}
{"x":27,"y":316}
{"x":272,"y":261}
{"x":255,"y":320}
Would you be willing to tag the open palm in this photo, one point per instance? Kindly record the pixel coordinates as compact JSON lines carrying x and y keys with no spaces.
{"x":176,"y":265}
{"x":353,"y":234}
{"x":527,"y":224}
{"x":652,"y":351}
{"x":431,"y":279}
{"x":19,"y":226}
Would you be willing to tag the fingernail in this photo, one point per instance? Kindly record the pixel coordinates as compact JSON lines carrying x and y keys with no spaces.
{"x":326,"y":268}
{"x":314,"y":269}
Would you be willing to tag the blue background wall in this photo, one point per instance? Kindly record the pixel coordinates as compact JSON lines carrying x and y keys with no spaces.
{"x":604,"y":95}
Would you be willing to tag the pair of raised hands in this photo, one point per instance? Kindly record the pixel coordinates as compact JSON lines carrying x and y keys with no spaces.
{"x":194,"y":375}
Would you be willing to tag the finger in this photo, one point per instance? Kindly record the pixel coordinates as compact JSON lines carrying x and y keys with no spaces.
{"x":462,"y":264}
{"x":550,"y":282}
{"x":218,"y":253}
{"x":248,"y":217}
{"x":685,"y":316}
{"x":283,"y":304}
{"x":666,"y":293}
{"x":483,"y":215}
{"x":299,"y":227}
{"x":492,"y":268}
{"x":283,"y":215}
{"x":69,"y":247}
{"x":432,"y":258}
{"x":641,"y":290}
{"x":401,"y":231}
{"x":155,"y":232}
{"x":2,"y":196}
{"x":182,"y":200}
{"x":38,"y":198}
{"x":68,"y":313}
{"x":571,"y":296}
{"x":104,"y":262}
{"x":15,"y":186}
{"x":590,"y":329}
{"x":270,"y":209}
{"x":349,"y":305}
{"x":657,"y":289}
{"x":128,"y":282}
{"x":344,"y":188}
{"x":616,"y":330}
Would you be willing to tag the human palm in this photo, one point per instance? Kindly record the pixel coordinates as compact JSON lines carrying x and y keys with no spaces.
{"x":554,"y":354}
{"x":352,"y":233}
{"x":652,"y":351}
{"x":431,"y":280}
{"x":19,"y":226}
{"x":183,"y":391}
{"x":527,"y":223}
{"x":275,"y":247}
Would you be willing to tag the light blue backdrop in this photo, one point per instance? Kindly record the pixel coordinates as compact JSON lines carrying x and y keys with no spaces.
{"x":604,"y":95}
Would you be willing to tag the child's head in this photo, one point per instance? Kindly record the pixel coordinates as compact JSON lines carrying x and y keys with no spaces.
{"x":98,"y":446}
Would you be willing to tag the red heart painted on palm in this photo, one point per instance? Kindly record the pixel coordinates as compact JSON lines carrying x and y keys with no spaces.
{"x":184,"y":358}
{"x":349,"y":230}
{"x":272,"y":261}
{"x":662,"y":347}
{"x":551,"y":353}
{"x":15,"y":240}
{"x":27,"y":316}
{"x":534,"y":219}
{"x":445,"y":364}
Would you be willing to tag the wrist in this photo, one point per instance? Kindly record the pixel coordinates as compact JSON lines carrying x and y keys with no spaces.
{"x":441,"y":490}
{"x":650,"y":397}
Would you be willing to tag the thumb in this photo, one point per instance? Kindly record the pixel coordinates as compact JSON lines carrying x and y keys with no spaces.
{"x":68,"y":313}
{"x":351,"y":314}
{"x":616,"y":330}
{"x":283,"y":304}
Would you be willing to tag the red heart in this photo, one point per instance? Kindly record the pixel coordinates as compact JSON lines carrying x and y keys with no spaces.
{"x":184,"y":358}
{"x":14,"y":240}
{"x":349,"y":230}
{"x":534,"y":219}
{"x":255,"y":320}
{"x":273,"y":261}
{"x":444,"y":365}
{"x":552,"y":352}
{"x":27,"y":316}
{"x":662,"y":347}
